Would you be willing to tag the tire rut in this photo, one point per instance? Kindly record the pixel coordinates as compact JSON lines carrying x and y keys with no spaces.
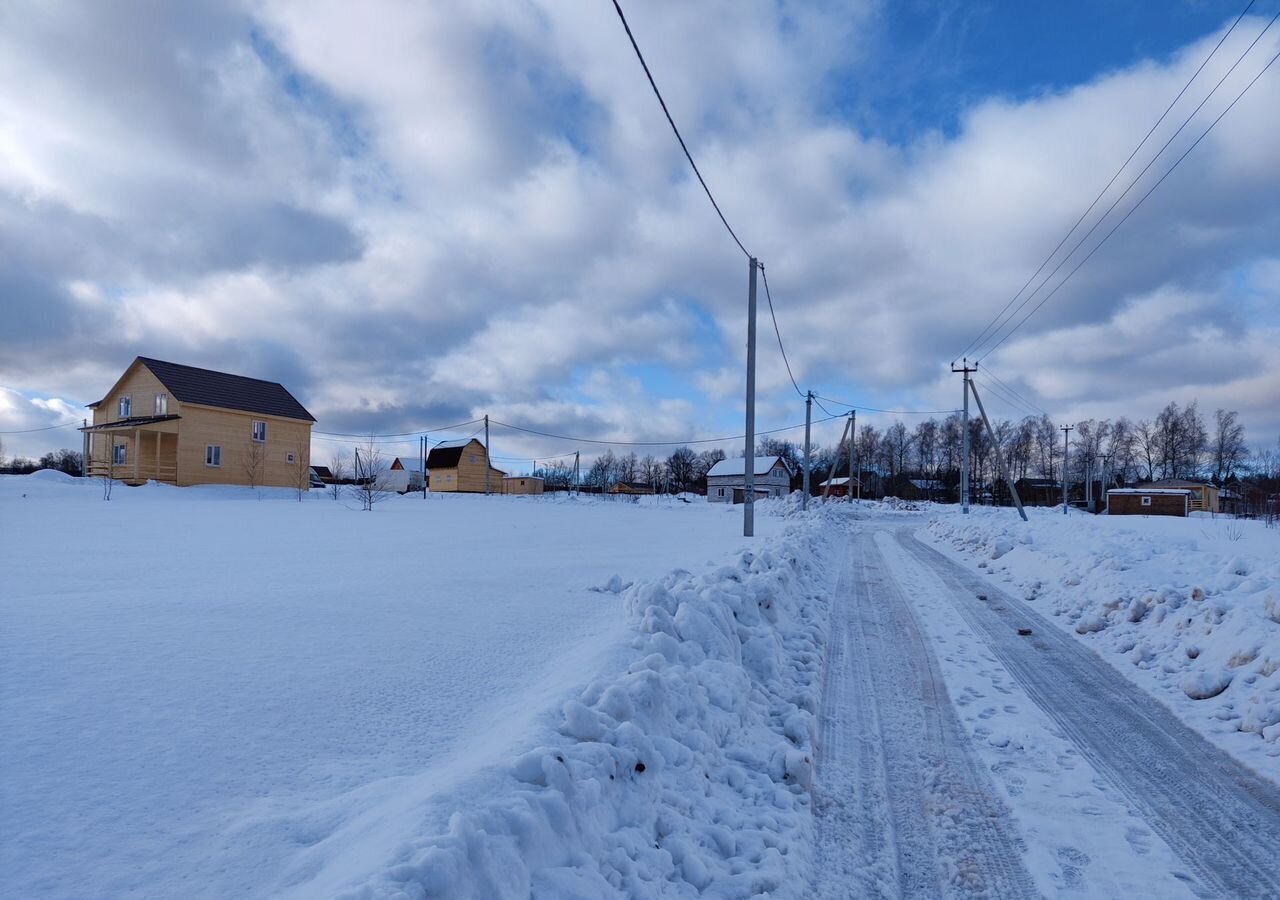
{"x":903,"y":808}
{"x":1218,"y":816}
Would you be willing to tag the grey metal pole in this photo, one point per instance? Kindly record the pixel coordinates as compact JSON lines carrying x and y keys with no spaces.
{"x":853,"y":451}
{"x":487,"y":464}
{"x":853,"y":433}
{"x":964,"y":453}
{"x":749,"y":467}
{"x":808,"y":416}
{"x":577,"y":488}
{"x":1066,"y":447}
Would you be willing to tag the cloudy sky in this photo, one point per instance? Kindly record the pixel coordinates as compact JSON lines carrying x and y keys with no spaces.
{"x":414,"y":213}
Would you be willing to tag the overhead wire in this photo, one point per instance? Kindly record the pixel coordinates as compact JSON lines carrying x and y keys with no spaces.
{"x":670,"y":121}
{"x":896,"y":412}
{"x":1125,"y":193}
{"x":45,"y":428}
{"x":986,"y":370}
{"x":676,"y":443}
{"x":1135,"y":207}
{"x":774,"y":316}
{"x":976,"y":341}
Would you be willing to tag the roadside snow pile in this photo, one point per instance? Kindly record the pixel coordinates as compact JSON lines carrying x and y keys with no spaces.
{"x":687,"y":775}
{"x":1186,"y":607}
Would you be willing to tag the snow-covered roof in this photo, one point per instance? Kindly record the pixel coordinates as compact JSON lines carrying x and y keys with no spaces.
{"x":1148,"y":491}
{"x":843,"y":479}
{"x":739,"y":466}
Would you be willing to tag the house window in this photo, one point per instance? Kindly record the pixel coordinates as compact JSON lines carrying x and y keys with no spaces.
{"x":720,"y":492}
{"x":213,"y":455}
{"x":162,"y":404}
{"x":118,"y":454}
{"x":259,"y":431}
{"x":290,"y":457}
{"x":126,"y":407}
{"x":1146,"y":501}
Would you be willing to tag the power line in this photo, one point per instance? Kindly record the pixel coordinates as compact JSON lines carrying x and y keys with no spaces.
{"x":1141,"y":200}
{"x":389,"y":434}
{"x":986,"y":370}
{"x":716,"y":440}
{"x":769,"y":297}
{"x":672,"y":123}
{"x":896,"y":412}
{"x":976,"y":342}
{"x":45,"y":428}
{"x":1000,"y":394}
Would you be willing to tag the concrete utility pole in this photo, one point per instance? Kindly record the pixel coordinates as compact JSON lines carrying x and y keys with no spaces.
{"x":749,"y":482}
{"x":964,"y":438}
{"x":487,"y":464}
{"x":1066,"y":430}
{"x":1004,"y":473}
{"x":808,"y":417}
{"x":576,"y":455}
{"x":426,"y":451}
{"x":853,"y":454}
{"x":835,"y":458}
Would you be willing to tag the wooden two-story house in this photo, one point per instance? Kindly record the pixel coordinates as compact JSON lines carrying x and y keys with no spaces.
{"x":182,"y":425}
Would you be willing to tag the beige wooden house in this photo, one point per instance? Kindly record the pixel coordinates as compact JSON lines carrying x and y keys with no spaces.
{"x":182,"y":425}
{"x":522,"y":484}
{"x":459,"y":467}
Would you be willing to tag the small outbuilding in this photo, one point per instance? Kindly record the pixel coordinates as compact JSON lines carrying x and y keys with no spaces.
{"x":522,"y":484}
{"x":1204,"y":497}
{"x":727,"y":479}
{"x":837,"y":487}
{"x":1148,"y":502}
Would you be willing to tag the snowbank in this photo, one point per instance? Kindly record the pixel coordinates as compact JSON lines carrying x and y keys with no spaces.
{"x":687,"y":775}
{"x":1187,"y":608}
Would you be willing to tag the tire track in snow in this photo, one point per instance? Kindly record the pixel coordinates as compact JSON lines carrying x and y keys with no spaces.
{"x":903,"y":809}
{"x":1221,"y":818}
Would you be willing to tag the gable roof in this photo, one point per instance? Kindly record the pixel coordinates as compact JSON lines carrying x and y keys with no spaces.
{"x":205,"y":387}
{"x":447,"y":454}
{"x":739,"y":466}
{"x":407,"y":463}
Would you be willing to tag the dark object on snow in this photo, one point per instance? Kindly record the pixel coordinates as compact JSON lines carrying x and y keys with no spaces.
{"x":639,"y":768}
{"x":1024,"y":631}
{"x":982,"y":597}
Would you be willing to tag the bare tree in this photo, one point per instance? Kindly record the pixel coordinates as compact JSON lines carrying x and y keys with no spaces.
{"x":301,"y":469}
{"x":371,"y":485}
{"x":337,"y":473}
{"x":1229,"y":451}
{"x":680,"y":466}
{"x":254,"y":462}
{"x":109,"y":470}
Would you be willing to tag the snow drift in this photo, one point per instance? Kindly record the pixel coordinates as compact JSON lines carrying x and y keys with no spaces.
{"x":687,"y":775}
{"x":1185,"y":607}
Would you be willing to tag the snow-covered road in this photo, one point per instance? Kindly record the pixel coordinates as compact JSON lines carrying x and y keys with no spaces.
{"x":970,"y":747}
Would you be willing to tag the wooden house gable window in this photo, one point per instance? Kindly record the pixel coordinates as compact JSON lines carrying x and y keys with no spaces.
{"x":213,"y":455}
{"x":260,"y":431}
{"x":125,"y":406}
{"x":162,"y":404}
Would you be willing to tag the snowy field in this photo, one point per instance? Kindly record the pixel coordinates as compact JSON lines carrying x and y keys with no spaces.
{"x":207,"y":693}
{"x":1189,"y":609}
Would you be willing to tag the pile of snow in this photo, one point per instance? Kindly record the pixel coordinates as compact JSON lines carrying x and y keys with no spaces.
{"x":1186,"y":607}
{"x":219,"y":692}
{"x":686,"y":775}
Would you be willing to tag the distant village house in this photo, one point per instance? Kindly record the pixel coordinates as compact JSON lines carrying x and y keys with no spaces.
{"x":183,"y":425}
{"x":727,"y":479}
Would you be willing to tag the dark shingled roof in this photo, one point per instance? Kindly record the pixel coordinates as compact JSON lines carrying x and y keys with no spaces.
{"x":445,"y":457}
{"x":209,"y":388}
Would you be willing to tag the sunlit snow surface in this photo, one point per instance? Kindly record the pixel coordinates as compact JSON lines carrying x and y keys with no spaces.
{"x":215,"y":692}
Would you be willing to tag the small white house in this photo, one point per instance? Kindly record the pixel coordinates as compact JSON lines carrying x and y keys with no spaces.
{"x":405,"y":474}
{"x":727,"y":479}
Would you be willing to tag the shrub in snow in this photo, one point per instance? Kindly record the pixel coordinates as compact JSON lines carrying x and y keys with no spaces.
{"x":687,"y":775}
{"x":1206,"y":684}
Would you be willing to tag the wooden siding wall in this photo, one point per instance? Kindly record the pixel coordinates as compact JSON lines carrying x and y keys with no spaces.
{"x":519,"y":485}
{"x":233,"y":431}
{"x":1161,"y":505}
{"x":140,"y":385}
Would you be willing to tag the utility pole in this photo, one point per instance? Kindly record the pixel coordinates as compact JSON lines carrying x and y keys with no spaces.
{"x":853,"y":454}
{"x":749,"y":482}
{"x":835,"y":458}
{"x":1066,"y":430}
{"x":808,"y":416}
{"x":1004,"y":473}
{"x":964,"y":437}
{"x":487,"y":464}
{"x":426,"y":451}
{"x":576,"y":488}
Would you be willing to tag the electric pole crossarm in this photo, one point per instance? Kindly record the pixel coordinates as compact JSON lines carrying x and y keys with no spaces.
{"x":1004,"y":473}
